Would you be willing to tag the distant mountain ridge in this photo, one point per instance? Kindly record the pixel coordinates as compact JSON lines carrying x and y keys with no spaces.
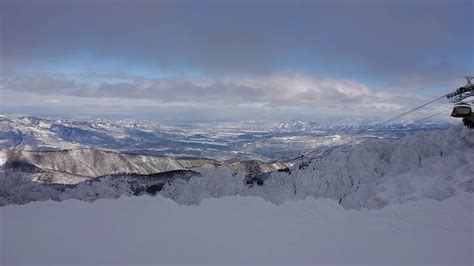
{"x":74,"y":166}
{"x":222,"y":141}
{"x":44,"y":159}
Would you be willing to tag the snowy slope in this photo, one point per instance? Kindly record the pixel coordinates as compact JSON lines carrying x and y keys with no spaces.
{"x":434,"y":165}
{"x":92,"y":162}
{"x":75,"y":166}
{"x":234,"y":231}
{"x":90,"y":174}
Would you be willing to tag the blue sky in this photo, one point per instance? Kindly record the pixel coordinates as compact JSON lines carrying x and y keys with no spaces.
{"x":242,"y":58}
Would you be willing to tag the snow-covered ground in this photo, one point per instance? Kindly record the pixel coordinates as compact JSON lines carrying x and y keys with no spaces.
{"x":405,"y":201}
{"x":236,"y":230}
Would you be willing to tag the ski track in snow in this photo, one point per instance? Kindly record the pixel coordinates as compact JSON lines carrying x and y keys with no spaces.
{"x":237,"y":230}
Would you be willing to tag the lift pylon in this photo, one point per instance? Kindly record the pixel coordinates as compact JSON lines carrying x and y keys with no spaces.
{"x":463,"y":108}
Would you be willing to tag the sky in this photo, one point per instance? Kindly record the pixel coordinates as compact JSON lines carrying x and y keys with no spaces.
{"x":232,"y":60}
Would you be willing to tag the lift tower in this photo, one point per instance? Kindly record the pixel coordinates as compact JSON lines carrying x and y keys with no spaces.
{"x":462,"y":108}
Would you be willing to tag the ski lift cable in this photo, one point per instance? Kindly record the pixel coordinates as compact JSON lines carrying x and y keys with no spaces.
{"x":433,"y":115}
{"x":396,"y":117}
{"x":412,"y":110}
{"x":343,"y":141}
{"x":367,"y":139}
{"x":417,"y":121}
{"x":405,"y":113}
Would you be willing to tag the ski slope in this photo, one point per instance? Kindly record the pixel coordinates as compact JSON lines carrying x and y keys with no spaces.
{"x":237,"y":230}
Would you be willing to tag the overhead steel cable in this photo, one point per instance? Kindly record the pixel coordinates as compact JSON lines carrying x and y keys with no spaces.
{"x":428,"y":117}
{"x":417,"y":121}
{"x":343,"y":141}
{"x":405,"y":113}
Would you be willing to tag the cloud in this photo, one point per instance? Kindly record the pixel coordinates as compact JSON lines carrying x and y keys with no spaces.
{"x":279,"y":96}
{"x":280,"y":89}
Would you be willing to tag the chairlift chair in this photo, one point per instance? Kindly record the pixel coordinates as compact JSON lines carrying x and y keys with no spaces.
{"x":461,"y":110}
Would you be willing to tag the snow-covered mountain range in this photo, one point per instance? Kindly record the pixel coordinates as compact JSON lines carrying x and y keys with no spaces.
{"x":429,"y":162}
{"x":219,"y":140}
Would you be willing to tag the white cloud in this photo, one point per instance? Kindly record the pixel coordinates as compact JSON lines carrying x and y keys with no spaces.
{"x":292,"y":93}
{"x":283,"y":89}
